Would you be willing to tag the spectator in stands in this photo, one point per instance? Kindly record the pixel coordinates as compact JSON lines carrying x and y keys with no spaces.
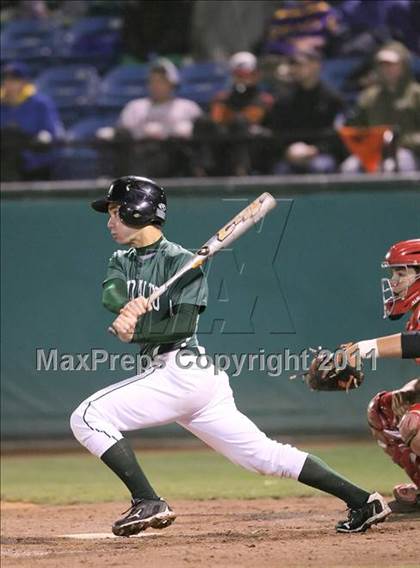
{"x":393,"y":101}
{"x":29,"y":124}
{"x":227,"y":139}
{"x":162,"y":121}
{"x":303,"y":122}
{"x":162,"y":114}
{"x":245,"y":100}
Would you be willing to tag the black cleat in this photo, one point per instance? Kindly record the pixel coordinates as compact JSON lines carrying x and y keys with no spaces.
{"x":374,"y":511}
{"x":142,"y":514}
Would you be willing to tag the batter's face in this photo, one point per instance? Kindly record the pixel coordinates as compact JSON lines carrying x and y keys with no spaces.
{"x":402,"y":278}
{"x":121,"y":234}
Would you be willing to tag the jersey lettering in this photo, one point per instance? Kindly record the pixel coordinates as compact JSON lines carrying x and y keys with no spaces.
{"x":137,"y":288}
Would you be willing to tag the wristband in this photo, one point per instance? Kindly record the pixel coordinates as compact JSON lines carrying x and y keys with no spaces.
{"x":368,"y":348}
{"x":410,"y":344}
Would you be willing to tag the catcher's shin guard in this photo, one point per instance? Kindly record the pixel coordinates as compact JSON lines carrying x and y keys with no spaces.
{"x":391,"y":438}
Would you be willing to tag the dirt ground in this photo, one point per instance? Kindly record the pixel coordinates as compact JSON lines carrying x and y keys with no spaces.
{"x":271,"y":533}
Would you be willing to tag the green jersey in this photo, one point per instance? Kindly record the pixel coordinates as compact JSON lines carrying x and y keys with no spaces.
{"x":143,"y":270}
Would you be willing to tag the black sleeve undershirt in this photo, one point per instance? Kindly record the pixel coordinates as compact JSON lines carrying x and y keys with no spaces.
{"x":410,"y":344}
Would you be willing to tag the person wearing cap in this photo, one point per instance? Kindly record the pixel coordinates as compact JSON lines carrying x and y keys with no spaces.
{"x":245,"y":99}
{"x":161,"y":121}
{"x":27,"y":118}
{"x":393,"y":101}
{"x":302,"y":121}
{"x":234,"y":120}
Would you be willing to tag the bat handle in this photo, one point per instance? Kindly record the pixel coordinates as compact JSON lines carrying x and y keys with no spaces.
{"x":112,"y":330}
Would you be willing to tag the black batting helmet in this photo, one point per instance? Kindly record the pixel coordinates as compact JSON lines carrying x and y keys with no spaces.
{"x":142,"y":201}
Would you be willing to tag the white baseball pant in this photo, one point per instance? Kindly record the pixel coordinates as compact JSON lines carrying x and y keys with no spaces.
{"x":198,"y":399}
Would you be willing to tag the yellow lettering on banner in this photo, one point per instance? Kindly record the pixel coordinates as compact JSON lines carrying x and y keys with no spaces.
{"x":228,"y":229}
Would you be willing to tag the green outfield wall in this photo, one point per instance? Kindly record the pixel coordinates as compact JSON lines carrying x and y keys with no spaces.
{"x":308,"y":275}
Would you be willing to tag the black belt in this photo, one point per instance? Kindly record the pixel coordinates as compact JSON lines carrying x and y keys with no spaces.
{"x":168,"y":347}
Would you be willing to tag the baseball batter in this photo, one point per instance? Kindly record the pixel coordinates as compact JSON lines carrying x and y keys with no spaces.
{"x":174,"y":388}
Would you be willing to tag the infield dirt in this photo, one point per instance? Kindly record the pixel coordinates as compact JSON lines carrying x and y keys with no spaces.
{"x":224,"y":533}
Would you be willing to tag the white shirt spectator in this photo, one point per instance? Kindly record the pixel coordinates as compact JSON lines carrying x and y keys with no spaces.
{"x":145,"y":118}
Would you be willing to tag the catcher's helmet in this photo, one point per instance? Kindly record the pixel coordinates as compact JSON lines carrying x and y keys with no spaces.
{"x":401,"y":255}
{"x":142,"y":201}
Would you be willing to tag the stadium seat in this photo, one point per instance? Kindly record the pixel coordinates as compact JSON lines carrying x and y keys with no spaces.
{"x":31,"y":41}
{"x":73,"y":88}
{"x":122,"y":84}
{"x":95,"y":40}
{"x":203,"y":72}
{"x":83,"y":161}
{"x":335,"y":72}
{"x":86,"y":128}
{"x":201,"y":81}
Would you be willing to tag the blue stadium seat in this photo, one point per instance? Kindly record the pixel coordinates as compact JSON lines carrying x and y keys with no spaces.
{"x":83,"y":161}
{"x":95,"y":40}
{"x":85,"y":129}
{"x":204,"y":72}
{"x":73,"y":88}
{"x":201,"y":81}
{"x":335,"y":72}
{"x":31,"y":41}
{"x":122,"y":84}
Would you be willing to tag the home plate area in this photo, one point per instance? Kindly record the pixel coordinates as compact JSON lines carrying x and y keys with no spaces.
{"x":99,"y":536}
{"x":290,"y":532}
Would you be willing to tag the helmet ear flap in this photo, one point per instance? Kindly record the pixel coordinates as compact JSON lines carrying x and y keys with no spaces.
{"x":136,"y":215}
{"x":130,"y":216}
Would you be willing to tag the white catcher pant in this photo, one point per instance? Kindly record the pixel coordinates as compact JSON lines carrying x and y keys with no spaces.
{"x":197,"y":399}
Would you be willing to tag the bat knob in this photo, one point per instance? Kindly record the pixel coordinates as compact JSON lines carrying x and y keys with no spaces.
{"x":112,"y":330}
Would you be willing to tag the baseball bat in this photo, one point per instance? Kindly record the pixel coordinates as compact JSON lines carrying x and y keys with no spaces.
{"x":236,"y":227}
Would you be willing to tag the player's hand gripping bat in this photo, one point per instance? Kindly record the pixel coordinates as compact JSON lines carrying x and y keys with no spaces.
{"x":225,"y":236}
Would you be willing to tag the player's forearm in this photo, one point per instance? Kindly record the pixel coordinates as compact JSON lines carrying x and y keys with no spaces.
{"x":168,"y":330}
{"x":404,"y":345}
{"x":389,"y":346}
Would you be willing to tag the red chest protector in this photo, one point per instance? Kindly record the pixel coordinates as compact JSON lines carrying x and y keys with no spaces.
{"x":413,"y":323}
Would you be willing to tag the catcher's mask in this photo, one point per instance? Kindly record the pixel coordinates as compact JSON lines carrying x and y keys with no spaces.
{"x":402,"y":255}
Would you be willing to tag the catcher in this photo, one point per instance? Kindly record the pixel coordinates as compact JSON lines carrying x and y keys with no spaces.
{"x":393,"y":416}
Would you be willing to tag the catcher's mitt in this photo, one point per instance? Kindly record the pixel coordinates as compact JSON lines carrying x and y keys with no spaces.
{"x":329,"y":372}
